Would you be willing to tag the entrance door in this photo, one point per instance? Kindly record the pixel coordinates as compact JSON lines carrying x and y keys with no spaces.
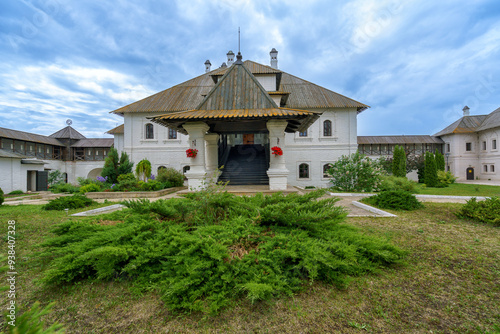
{"x":248,"y":139}
{"x":42,"y":180}
{"x":470,"y":173}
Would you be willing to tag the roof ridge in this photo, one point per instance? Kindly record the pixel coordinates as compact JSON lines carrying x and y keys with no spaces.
{"x":222,"y":81}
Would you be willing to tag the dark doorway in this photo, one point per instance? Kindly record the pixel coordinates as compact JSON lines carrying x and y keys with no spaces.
{"x":42,"y":178}
{"x":248,"y":139}
{"x":470,"y":173}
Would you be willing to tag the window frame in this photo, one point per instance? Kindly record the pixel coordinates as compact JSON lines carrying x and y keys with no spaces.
{"x":327,"y":131}
{"x":172,"y":134}
{"x":307,"y":169}
{"x":149,"y":132}
{"x":468,"y":147}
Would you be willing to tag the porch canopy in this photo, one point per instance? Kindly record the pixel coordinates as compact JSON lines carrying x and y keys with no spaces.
{"x":238,"y":104}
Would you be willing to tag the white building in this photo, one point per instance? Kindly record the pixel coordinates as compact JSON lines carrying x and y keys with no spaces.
{"x":233,"y":116}
{"x":27,"y":158}
{"x":471,"y":146}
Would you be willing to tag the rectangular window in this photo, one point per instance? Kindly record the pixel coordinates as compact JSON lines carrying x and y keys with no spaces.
{"x":172,"y":134}
{"x":492,"y":168}
{"x":303,"y":134}
{"x":494,"y":144}
{"x":448,"y":147}
{"x":484,"y":146}
{"x":485,"y":168}
{"x":468,"y":147}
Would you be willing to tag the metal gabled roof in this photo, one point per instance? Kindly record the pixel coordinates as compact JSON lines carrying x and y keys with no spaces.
{"x":120,"y":129}
{"x":492,"y":120}
{"x":67,"y":133}
{"x":237,"y":89}
{"x":11,"y":155}
{"x":466,"y":124}
{"x":397,"y":140}
{"x":94,"y":142}
{"x":30,"y":137}
{"x":188,"y":95}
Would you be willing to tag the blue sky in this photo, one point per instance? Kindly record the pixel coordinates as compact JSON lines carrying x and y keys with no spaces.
{"x":416,"y":63}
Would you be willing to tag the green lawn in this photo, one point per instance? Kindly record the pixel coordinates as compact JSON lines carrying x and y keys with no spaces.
{"x":461,"y":189}
{"x":450,"y":284}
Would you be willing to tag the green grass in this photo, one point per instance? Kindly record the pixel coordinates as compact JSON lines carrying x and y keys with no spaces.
{"x":461,"y":189}
{"x":451,"y":284}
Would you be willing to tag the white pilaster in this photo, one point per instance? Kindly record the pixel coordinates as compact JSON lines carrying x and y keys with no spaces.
{"x":197,"y":174}
{"x":277,"y":171}
{"x":212,"y":156}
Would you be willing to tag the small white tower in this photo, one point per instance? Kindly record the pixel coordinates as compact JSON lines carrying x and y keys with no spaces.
{"x":207,"y":66}
{"x":466,"y":111}
{"x":274,"y":58}
{"x":230,"y":58}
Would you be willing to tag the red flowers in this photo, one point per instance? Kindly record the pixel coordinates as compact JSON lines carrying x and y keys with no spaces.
{"x":191,"y":152}
{"x":276,"y":151}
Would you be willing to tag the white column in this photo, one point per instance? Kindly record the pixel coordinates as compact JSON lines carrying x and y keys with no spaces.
{"x":197,"y":173}
{"x":277,"y":172}
{"x":212,"y":156}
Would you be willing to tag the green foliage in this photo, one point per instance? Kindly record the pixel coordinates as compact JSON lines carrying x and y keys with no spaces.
{"x":111,"y":166}
{"x":204,"y":251}
{"x":395,"y":200}
{"x":487,"y":211}
{"x":440,"y":164}
{"x":1,"y":196}
{"x":399,"y":162}
{"x":126,"y":182}
{"x":68,"y":202}
{"x":64,"y":188}
{"x":355,"y":173}
{"x":151,"y":185}
{"x":171,"y":177}
{"x":445,"y":178}
{"x":30,"y":322}
{"x":55,"y":177}
{"x":143,"y":169}
{"x":16,"y":192}
{"x":125,"y":165}
{"x":389,"y":182}
{"x":92,"y":187}
{"x":430,"y":171}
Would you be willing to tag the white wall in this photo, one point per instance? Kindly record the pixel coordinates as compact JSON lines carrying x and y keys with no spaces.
{"x":268,"y":81}
{"x":317,"y":150}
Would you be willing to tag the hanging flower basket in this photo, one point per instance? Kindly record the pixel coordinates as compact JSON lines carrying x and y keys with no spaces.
{"x":276,"y":151}
{"x":191,"y":152}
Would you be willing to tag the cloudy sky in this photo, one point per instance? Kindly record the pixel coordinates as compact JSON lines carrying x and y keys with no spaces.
{"x":415,"y":62}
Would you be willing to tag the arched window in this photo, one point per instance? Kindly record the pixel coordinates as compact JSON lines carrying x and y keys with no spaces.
{"x":326,"y":167}
{"x":172,"y":134}
{"x":327,"y":128}
{"x":303,"y":134}
{"x":160,"y":168}
{"x":185,"y":169}
{"x":303,"y":171}
{"x":149,"y":131}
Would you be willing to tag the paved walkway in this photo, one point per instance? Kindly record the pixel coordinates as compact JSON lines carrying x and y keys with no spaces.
{"x":347,"y":200}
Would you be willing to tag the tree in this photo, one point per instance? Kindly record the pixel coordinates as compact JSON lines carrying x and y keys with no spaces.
{"x":111,"y":164}
{"x":440,"y":164}
{"x":125,"y":164}
{"x":143,"y":169}
{"x":430,"y":171}
{"x":399,"y":162}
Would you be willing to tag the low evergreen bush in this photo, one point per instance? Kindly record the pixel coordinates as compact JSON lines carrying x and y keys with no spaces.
{"x":395,"y":200}
{"x":445,"y":178}
{"x":68,"y":202}
{"x":64,"y":188}
{"x":16,"y":192}
{"x":487,"y":211}
{"x":92,"y":187}
{"x":171,"y":177}
{"x":389,"y":182}
{"x":204,"y":251}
